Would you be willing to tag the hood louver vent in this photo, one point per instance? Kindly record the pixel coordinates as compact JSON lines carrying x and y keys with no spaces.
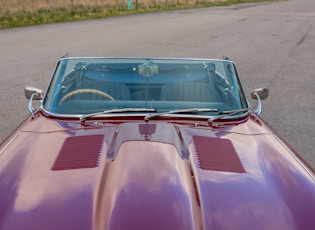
{"x":79,"y":152}
{"x":217,"y":154}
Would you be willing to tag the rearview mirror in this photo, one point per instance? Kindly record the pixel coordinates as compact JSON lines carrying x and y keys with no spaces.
{"x":262,"y":93}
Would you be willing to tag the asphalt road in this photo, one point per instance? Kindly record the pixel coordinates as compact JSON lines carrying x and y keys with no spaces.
{"x":272,"y":43}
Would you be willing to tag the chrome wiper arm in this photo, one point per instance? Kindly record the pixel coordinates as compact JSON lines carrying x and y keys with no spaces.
{"x":123,"y":110}
{"x":228,"y":114}
{"x":192,"y":110}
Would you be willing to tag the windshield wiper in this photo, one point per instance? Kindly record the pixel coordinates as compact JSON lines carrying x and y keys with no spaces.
{"x":230,"y":114}
{"x":193,"y":110}
{"x":123,"y":110}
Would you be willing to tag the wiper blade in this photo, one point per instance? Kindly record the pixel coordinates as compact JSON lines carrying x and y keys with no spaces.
{"x":193,"y":110}
{"x":123,"y":110}
{"x":230,"y":114}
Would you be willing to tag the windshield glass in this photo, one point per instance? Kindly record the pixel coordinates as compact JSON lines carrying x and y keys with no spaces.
{"x":90,"y":85}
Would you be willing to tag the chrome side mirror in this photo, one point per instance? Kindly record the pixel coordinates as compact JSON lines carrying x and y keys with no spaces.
{"x":259,"y":94}
{"x":33,"y":93}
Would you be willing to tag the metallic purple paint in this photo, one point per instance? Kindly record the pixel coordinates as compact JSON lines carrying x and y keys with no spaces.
{"x":146,"y":180}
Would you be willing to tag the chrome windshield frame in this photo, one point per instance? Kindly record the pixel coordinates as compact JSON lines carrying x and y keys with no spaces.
{"x":49,"y":112}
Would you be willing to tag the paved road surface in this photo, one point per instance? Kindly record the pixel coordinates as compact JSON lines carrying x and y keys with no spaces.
{"x":273,"y":44}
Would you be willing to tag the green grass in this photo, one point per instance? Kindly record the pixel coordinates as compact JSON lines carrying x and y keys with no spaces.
{"x":80,"y":12}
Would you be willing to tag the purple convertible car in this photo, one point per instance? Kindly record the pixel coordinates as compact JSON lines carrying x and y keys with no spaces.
{"x":150,"y":143}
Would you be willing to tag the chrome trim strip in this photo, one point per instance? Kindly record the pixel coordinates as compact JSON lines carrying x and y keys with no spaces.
{"x":145,"y":58}
{"x":9,"y":142}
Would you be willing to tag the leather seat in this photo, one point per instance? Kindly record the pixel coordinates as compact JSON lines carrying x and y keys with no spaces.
{"x":116,"y":90}
{"x":188,"y":91}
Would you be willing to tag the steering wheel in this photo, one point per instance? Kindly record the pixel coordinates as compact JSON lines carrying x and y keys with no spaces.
{"x":79,"y":91}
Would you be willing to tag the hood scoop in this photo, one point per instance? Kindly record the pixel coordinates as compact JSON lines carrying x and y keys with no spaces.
{"x":217,"y":154}
{"x":79,"y":152}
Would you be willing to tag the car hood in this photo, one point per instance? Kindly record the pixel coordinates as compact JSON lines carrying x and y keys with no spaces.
{"x":154,"y":175}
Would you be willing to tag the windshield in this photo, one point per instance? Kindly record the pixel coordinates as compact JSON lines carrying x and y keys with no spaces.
{"x":91,"y":85}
